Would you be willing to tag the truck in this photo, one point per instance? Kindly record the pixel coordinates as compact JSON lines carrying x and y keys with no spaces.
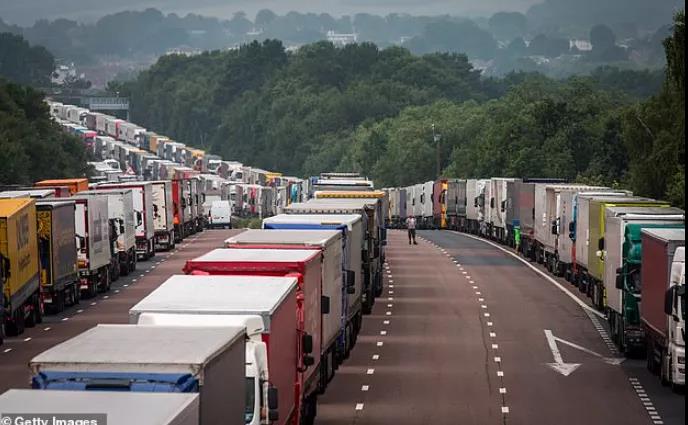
{"x":455,"y":201}
{"x":353,"y":228}
{"x":19,"y":254}
{"x":208,"y":361}
{"x":592,"y":280}
{"x":123,"y":225}
{"x":277,"y":352}
{"x":163,"y":214}
{"x":93,"y":244}
{"x":220,"y":215}
{"x":332,"y":244}
{"x":119,"y":408}
{"x":663,"y":307}
{"x":498,"y":227}
{"x":179,"y":205}
{"x":73,"y":185}
{"x":57,"y":254}
{"x":439,"y":203}
{"x":375,"y":237}
{"x":475,"y":205}
{"x":620,"y":251}
{"x":321,"y":305}
{"x":143,"y":210}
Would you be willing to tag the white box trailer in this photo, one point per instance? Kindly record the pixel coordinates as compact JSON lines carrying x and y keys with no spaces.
{"x":163,"y":214}
{"x":475,"y":204}
{"x":209,"y":361}
{"x":93,"y":244}
{"x":499,"y":228}
{"x":120,"y":408}
{"x":121,"y":210}
{"x":143,"y":209}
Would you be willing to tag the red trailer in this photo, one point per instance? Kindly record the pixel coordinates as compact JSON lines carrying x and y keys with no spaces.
{"x":305,"y":264}
{"x":177,"y":203}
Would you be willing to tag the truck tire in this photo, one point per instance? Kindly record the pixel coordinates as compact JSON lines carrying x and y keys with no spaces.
{"x":35,"y":317}
{"x":15,"y":326}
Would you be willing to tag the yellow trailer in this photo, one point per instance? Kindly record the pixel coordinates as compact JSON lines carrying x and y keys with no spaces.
{"x":19,"y":251}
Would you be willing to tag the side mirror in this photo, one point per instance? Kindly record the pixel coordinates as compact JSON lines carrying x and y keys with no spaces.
{"x":669,"y":301}
{"x":572,"y":227}
{"x":600,"y":244}
{"x":273,"y":399}
{"x":475,"y":202}
{"x":503,"y":206}
{"x":324,"y":305}
{"x":307,"y":343}
{"x":349,"y":278}
{"x":139,"y":218}
{"x":492,"y":203}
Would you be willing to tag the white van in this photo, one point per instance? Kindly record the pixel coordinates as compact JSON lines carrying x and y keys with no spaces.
{"x":220,"y":215}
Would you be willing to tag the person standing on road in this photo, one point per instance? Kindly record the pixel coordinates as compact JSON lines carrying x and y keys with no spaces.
{"x":411,"y":226}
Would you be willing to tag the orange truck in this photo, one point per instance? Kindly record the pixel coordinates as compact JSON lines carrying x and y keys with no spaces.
{"x":73,"y":186}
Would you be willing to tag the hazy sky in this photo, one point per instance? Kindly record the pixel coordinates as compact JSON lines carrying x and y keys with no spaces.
{"x":25,"y":12}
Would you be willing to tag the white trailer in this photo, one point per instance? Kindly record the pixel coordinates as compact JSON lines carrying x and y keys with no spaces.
{"x":498,"y":226}
{"x":93,"y":244}
{"x":163,"y":214}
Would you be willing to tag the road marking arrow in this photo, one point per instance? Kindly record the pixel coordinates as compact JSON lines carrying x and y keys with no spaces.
{"x":568,"y":368}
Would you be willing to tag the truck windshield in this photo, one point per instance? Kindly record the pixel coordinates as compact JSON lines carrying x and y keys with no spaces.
{"x":250,"y":400}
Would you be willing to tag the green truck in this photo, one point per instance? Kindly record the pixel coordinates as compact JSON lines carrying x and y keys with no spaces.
{"x":621,"y":254}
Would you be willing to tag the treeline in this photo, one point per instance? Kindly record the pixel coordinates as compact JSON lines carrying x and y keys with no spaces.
{"x":32,"y":146}
{"x":23,"y":63}
{"x":359,"y":107}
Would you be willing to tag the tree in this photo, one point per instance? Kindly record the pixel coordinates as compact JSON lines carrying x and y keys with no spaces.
{"x":23,"y":63}
{"x":602,"y":37}
{"x":508,"y":25}
{"x":265,"y":17}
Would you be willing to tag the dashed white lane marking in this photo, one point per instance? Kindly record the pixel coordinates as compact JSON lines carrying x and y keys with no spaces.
{"x":359,"y":406}
{"x":389,"y":305}
{"x":79,"y":311}
{"x":502,"y":391}
{"x":370,"y":371}
{"x":141,"y":275}
{"x":495,"y":346}
{"x":582,"y":304}
{"x":7,"y":350}
{"x":505,"y":409}
{"x":386,"y":322}
{"x":500,"y":373}
{"x":116,"y":291}
{"x":498,"y":359}
{"x":489,"y":323}
{"x":646,"y":401}
{"x":486,"y":315}
{"x":133,"y":280}
{"x":383,"y":333}
{"x":105,"y":297}
{"x":493,"y":335}
{"x":47,"y":329}
{"x":380,"y":343}
{"x":376,"y":357}
{"x":390,"y":298}
{"x":94,"y":303}
{"x":389,"y":313}
{"x":365,"y":388}
{"x":64,"y":319}
{"x":27,"y":339}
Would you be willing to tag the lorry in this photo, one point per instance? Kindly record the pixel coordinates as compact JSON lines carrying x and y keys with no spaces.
{"x":57,"y":254}
{"x":497,"y":226}
{"x":321,"y":301}
{"x":620,"y":251}
{"x":455,"y":201}
{"x":375,"y":237}
{"x":277,"y":353}
{"x":355,"y":248}
{"x":475,"y":205}
{"x":120,"y":408}
{"x":92,"y":228}
{"x":663,"y":307}
{"x":73,"y":185}
{"x":163,"y":214}
{"x":19,"y":253}
{"x":332,"y":244}
{"x":592,"y":279}
{"x":208,"y":361}
{"x":143,"y":210}
{"x":123,"y":225}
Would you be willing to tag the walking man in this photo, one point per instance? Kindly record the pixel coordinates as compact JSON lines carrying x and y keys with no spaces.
{"x":411,"y":226}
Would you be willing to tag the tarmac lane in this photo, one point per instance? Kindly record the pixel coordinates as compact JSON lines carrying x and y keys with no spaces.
{"x":559,"y":364}
{"x":109,"y":307}
{"x":424,"y":356}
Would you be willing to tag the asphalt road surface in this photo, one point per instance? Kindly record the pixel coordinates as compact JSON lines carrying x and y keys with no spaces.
{"x":466,"y":333}
{"x":109,"y":307}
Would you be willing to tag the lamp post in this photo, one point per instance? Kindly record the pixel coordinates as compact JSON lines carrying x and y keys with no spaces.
{"x":436,"y":137}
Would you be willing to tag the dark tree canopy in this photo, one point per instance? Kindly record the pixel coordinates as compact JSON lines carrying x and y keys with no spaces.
{"x":23,"y":63}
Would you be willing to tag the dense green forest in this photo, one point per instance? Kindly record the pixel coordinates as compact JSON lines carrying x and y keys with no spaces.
{"x":32,"y":146}
{"x":22,"y":63}
{"x":363,"y":108}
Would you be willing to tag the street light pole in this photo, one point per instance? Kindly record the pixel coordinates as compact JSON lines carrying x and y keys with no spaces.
{"x":437,"y":138}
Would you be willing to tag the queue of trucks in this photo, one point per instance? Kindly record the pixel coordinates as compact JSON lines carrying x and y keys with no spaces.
{"x":253,"y":332}
{"x":597,"y":238}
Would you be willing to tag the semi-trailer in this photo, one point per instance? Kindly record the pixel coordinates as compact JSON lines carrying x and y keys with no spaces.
{"x":163,"y":214}
{"x":19,"y":254}
{"x":208,"y":361}
{"x":498,"y":227}
{"x":475,"y":205}
{"x":118,"y":407}
{"x":121,"y":216}
{"x":332,"y":244}
{"x":57,"y":253}
{"x":373,"y":258}
{"x":352,"y":228}
{"x":455,"y":201}
{"x":663,"y":307}
{"x":620,"y":251}
{"x":319,"y":300}
{"x":277,"y":352}
{"x":93,"y":244}
{"x":143,"y":209}
{"x":72,"y":185}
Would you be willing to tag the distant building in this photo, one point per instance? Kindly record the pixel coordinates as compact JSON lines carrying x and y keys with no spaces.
{"x":341,"y":39}
{"x":63,"y":73}
{"x":580,"y":45}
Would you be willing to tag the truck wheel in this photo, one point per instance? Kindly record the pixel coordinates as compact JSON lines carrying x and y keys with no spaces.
{"x":651,"y":363}
{"x":16,"y":325}
{"x":36,"y":316}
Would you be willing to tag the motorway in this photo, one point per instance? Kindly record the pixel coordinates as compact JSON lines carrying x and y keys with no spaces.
{"x":109,"y":307}
{"x":464,"y":333}
{"x":467,"y":333}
